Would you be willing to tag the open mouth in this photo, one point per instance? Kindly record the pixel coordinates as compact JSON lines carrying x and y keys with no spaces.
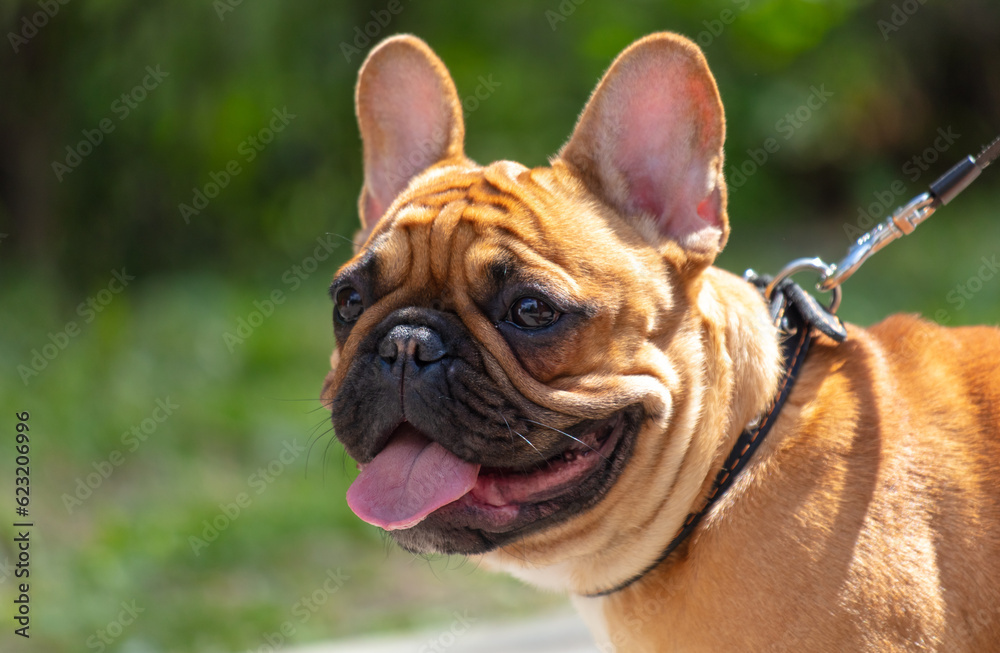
{"x":414,"y":477}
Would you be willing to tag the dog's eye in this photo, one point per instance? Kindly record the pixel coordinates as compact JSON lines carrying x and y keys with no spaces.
{"x":349,"y":304}
{"x":531,"y":313}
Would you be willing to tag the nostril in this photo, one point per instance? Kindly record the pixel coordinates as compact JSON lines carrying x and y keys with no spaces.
{"x":429,"y":346}
{"x":388,"y":350}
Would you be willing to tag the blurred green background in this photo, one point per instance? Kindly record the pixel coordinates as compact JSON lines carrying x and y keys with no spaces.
{"x":181,"y":463}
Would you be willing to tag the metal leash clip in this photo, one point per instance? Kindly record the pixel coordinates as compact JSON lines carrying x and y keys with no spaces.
{"x":800,"y":264}
{"x":901,"y":223}
{"x":792,"y":308}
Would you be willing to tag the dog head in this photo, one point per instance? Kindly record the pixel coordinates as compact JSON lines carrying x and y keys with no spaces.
{"x":532,"y":362}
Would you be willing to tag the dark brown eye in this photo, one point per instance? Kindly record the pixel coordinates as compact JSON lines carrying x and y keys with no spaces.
{"x":531,"y":313}
{"x":349,"y":305}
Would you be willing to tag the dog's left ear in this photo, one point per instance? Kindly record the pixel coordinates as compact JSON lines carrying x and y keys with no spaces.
{"x":649,"y":143}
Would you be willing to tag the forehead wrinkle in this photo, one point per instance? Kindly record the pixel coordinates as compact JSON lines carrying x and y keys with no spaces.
{"x":433,"y":188}
{"x":546,"y":273}
{"x":536,"y":209}
{"x":404,"y":250}
{"x":420,"y":276}
{"x":524,"y":267}
{"x":442,"y":245}
{"x":497,"y":207}
{"x":514,"y":227}
{"x":463,"y":240}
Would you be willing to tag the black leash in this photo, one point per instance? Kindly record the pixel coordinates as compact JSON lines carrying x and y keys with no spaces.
{"x":796,"y":313}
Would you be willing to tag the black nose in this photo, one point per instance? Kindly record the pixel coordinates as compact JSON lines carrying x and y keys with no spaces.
{"x":419,"y":344}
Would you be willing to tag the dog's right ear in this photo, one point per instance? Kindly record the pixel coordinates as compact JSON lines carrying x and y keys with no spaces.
{"x":410,"y":118}
{"x":649,"y":143}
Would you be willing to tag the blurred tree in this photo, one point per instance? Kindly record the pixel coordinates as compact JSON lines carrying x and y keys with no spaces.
{"x":84,"y":199}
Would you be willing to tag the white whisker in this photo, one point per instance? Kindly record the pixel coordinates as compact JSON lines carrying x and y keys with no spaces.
{"x":566,"y":434}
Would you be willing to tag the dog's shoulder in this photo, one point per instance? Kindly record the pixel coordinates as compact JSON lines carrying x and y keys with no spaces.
{"x":920,"y":349}
{"x":904,"y":382}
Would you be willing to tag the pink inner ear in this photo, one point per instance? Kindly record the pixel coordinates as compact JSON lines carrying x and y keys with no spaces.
{"x":414,"y":120}
{"x":410,"y":119}
{"x":708,"y":209}
{"x":373,"y":208}
{"x":664,"y":143}
{"x":645,"y":195}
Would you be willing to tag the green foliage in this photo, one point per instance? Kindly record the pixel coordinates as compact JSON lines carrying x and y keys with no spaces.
{"x":229,"y":69}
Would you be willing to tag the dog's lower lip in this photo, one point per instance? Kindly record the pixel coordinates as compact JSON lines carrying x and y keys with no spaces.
{"x":499,"y":494}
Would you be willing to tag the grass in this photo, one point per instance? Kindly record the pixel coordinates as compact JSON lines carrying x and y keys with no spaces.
{"x":131,"y":538}
{"x":237,"y":411}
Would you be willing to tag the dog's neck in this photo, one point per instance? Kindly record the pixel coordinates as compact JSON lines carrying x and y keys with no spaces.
{"x":728,"y":364}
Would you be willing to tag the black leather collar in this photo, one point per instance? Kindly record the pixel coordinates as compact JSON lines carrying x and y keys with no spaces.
{"x":796,"y":313}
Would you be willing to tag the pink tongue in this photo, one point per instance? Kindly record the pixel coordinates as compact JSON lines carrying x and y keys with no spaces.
{"x":408,"y":480}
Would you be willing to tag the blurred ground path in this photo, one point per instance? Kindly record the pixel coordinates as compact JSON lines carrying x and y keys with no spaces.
{"x":562,"y":632}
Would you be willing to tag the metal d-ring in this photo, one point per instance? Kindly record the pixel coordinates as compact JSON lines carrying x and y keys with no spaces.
{"x":800,"y":264}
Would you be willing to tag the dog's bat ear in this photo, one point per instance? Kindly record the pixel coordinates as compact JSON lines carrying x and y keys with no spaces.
{"x":649,"y":143}
{"x":410,"y":118}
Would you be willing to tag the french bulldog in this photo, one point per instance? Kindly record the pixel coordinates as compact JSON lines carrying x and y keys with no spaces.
{"x":541,"y":369}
